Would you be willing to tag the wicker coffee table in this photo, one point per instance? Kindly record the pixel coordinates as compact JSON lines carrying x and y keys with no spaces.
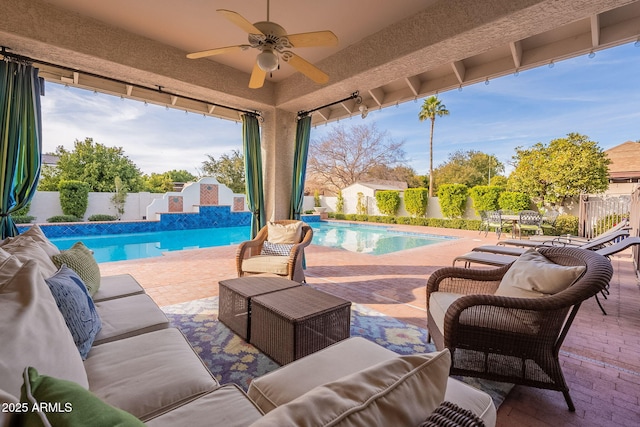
{"x":290,"y":324}
{"x":236,"y":295}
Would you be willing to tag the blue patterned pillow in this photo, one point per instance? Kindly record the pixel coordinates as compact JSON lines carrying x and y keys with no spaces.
{"x":278,"y":249}
{"x":76,"y":307}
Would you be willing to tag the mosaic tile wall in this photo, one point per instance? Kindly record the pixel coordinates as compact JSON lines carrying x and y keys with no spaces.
{"x":208,"y":217}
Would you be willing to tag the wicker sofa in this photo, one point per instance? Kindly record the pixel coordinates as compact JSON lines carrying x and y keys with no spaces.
{"x":139,"y":369}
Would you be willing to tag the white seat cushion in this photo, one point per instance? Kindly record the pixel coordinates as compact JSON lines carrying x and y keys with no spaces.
{"x":148,"y":374}
{"x":117,"y":286}
{"x":128,"y":316}
{"x":227,"y":406}
{"x":266,"y":264}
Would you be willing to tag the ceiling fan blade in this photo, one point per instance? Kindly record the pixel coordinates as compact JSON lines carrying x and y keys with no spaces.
{"x":217,"y":51}
{"x":257,"y":77}
{"x":240,"y":21}
{"x":305,"y":67}
{"x":313,"y":39}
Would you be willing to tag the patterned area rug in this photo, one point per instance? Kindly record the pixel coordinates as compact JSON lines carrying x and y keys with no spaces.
{"x":231,"y":359}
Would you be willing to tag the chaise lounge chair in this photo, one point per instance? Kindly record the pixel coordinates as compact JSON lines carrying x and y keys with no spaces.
{"x":592,"y":245}
{"x":567,"y":239}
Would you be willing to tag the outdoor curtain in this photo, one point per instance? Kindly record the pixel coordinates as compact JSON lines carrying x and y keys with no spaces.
{"x":253,"y":171}
{"x":20,"y":139}
{"x":300,"y":166}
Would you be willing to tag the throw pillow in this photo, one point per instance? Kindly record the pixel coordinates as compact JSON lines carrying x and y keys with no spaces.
{"x":33,"y":332}
{"x":402,"y":391}
{"x":36,"y":233}
{"x":76,"y":307}
{"x":65,"y":403}
{"x":532,"y":271}
{"x":26,"y":248}
{"x":278,"y":249}
{"x":284,"y":233}
{"x":80,"y":259}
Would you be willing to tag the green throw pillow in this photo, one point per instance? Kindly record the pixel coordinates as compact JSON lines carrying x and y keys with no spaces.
{"x":64,"y":403}
{"x":80,"y":259}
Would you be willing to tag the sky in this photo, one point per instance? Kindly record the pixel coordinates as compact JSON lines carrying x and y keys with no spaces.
{"x":598,"y":97}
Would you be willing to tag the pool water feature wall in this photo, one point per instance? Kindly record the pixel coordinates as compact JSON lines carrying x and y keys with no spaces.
{"x":207,"y":217}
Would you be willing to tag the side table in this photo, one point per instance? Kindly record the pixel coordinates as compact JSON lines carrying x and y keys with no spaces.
{"x":290,"y":324}
{"x":235,"y":299}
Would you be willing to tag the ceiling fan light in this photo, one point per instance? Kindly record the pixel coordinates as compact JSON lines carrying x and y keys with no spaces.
{"x":267,"y":60}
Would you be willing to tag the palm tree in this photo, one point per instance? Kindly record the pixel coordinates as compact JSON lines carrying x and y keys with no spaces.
{"x":431,"y":108}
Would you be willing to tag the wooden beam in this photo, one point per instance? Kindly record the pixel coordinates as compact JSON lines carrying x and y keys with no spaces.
{"x":595,"y":30}
{"x":414,"y":84}
{"x":378,"y":95}
{"x":459,"y":69}
{"x":516,"y":53}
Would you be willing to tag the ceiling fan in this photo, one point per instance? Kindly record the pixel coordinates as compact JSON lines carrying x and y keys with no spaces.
{"x":273,"y":41}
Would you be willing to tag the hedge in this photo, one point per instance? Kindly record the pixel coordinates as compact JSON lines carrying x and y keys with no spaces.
{"x":514,"y":201}
{"x":64,"y":218}
{"x":415,"y":201}
{"x":74,"y":197}
{"x":453,"y":198}
{"x":485,"y":197}
{"x":457,"y":223}
{"x":388,"y":201}
{"x":102,"y":217}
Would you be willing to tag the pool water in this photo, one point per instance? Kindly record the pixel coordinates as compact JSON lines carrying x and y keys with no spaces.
{"x":374,"y":240}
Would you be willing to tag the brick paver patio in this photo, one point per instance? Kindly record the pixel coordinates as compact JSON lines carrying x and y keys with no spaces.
{"x":600,"y":356}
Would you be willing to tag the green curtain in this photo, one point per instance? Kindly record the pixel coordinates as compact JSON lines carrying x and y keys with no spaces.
{"x":253,"y":171}
{"x":300,"y":166}
{"x":20,"y":139}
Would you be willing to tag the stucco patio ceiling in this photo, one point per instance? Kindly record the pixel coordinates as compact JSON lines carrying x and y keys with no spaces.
{"x":389,"y":51}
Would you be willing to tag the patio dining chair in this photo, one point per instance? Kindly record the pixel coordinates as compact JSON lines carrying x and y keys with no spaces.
{"x":529,"y":221}
{"x":494,"y":220}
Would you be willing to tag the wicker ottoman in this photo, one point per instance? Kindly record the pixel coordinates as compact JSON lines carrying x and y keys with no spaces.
{"x":290,"y":324}
{"x":236,"y":295}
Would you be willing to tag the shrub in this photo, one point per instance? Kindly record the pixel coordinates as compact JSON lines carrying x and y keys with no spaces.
{"x":567,"y":224}
{"x":74,"y":197}
{"x":388,"y":201}
{"x":415,"y":201}
{"x":514,"y":201}
{"x":64,"y":218}
{"x":463,"y":224}
{"x":21,"y":212}
{"x":453,"y":198}
{"x":22,"y":219}
{"x":119,"y":198}
{"x":485,"y":197}
{"x":340,"y":203}
{"x":316,"y":199}
{"x":102,"y":217}
{"x":361,"y":205}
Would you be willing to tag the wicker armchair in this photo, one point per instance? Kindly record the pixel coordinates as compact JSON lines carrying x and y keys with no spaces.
{"x":289,"y":266}
{"x":511,"y":339}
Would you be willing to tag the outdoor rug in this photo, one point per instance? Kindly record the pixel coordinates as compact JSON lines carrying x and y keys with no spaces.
{"x":231,"y":359}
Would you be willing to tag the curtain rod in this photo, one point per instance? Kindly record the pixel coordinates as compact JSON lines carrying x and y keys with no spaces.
{"x":15,"y":56}
{"x":354,"y":95}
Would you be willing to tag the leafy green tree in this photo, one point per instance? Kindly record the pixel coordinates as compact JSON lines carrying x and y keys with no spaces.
{"x":49,"y":178}
{"x":345,"y":156}
{"x":163,"y":182}
{"x":514,"y":201}
{"x":228,"y":170}
{"x":95,"y":164}
{"x":432,"y":108}
{"x":181,"y":175}
{"x":158,"y":183}
{"x":119,"y":198}
{"x":470,"y":168}
{"x":566,"y":167}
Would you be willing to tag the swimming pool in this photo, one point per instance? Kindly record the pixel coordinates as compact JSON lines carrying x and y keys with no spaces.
{"x":370,"y":239}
